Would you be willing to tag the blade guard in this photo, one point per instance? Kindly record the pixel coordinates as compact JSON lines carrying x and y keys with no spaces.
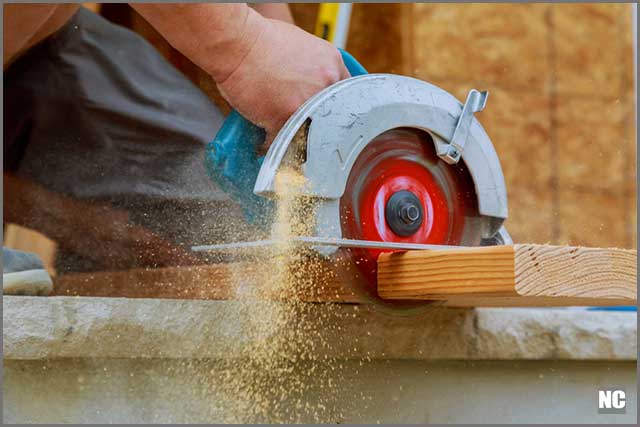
{"x":341,"y":120}
{"x":232,"y":162}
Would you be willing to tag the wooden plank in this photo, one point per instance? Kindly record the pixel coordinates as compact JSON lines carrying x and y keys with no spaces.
{"x":518,"y":275}
{"x":202,"y":282}
{"x":499,"y":276}
{"x":207,"y":282}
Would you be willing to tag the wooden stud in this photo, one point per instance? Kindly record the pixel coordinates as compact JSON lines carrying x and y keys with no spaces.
{"x":519,"y":275}
{"x":512,"y":275}
{"x":208,"y":282}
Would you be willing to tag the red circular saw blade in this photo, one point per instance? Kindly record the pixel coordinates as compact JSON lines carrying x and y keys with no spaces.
{"x":405,"y":159}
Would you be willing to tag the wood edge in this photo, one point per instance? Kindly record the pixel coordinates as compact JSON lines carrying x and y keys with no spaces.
{"x":619,"y":289}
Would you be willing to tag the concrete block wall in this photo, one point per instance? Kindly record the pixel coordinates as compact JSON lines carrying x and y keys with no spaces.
{"x":106,"y":360}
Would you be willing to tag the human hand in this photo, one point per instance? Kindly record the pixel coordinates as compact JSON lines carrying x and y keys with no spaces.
{"x":283,"y":67}
{"x":264,"y":68}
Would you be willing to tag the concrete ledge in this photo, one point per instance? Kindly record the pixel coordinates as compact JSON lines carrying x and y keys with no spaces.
{"x":82,"y":327}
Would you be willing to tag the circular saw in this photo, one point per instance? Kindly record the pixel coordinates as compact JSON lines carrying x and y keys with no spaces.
{"x":390,"y":163}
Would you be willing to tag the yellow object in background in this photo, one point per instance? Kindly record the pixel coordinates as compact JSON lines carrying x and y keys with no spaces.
{"x":327,"y":19}
{"x":333,"y":23}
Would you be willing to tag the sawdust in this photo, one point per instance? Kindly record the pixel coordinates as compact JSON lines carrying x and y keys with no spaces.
{"x":286,"y":372}
{"x":290,"y":364}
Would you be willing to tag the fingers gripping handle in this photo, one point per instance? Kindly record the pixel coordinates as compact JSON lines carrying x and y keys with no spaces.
{"x":232,"y":161}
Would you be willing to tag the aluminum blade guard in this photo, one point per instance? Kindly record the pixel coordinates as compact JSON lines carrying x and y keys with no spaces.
{"x":391,"y":158}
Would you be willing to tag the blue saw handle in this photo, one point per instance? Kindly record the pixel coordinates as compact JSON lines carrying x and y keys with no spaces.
{"x":232,"y":161}
{"x":353,"y":66}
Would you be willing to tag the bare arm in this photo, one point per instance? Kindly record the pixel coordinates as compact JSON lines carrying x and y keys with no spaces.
{"x":265,"y":68}
{"x":216,"y":36}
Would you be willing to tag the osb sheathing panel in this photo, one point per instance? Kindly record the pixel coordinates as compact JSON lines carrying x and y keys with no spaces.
{"x":558,"y":101}
{"x":376,"y":33}
{"x":560,"y":113}
{"x":591,"y":218}
{"x":376,"y":37}
{"x":593,"y":44}
{"x":632,"y":219}
{"x":595,"y":124}
{"x":531,"y":214}
{"x":592,"y":142}
{"x":482,"y":44}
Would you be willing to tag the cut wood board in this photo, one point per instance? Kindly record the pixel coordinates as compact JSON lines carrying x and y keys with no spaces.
{"x":519,"y":275}
{"x":512,"y":275}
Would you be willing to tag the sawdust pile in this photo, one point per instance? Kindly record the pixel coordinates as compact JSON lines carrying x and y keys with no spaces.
{"x":286,"y":372}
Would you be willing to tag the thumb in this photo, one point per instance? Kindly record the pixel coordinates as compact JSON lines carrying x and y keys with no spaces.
{"x":344,"y":72}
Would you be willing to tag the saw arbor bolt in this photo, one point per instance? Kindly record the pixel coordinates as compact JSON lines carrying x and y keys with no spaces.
{"x":404,"y":213}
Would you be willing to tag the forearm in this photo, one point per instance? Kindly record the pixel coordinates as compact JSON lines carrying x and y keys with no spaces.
{"x":265,"y":68}
{"x":215,"y":36}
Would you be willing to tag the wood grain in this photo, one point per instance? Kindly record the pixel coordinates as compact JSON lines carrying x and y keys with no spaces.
{"x":512,"y":275}
{"x":498,"y":276}
{"x":201,"y":282}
